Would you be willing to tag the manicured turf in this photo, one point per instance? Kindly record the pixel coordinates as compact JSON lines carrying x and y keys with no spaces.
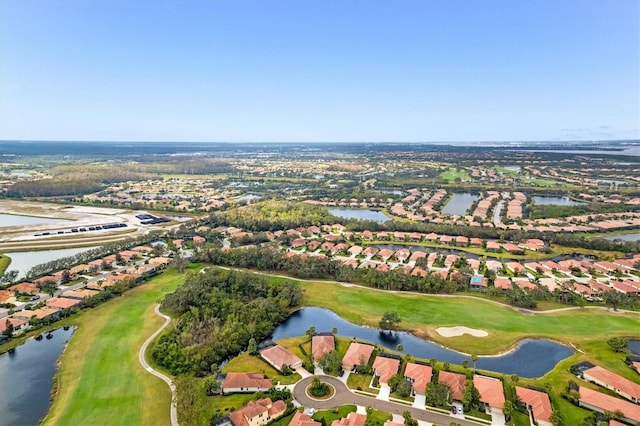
{"x":100,"y":378}
{"x":423,"y":314}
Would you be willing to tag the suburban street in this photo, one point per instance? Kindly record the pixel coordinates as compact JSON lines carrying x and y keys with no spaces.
{"x":344,"y":396}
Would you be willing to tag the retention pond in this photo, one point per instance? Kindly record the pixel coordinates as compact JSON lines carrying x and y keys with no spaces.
{"x":26,"y":378}
{"x":530,"y":358}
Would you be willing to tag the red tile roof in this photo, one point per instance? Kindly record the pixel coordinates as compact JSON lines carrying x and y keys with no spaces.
{"x":357,"y":353}
{"x":62,"y":302}
{"x":613,"y":381}
{"x":301,"y":419}
{"x":455,"y":381}
{"x":385,"y":367}
{"x":354,"y":419}
{"x":420,"y":374}
{"x":279,"y":357}
{"x":321,"y":345}
{"x":246,"y":380}
{"x":490,"y":389}
{"x":609,"y":403}
{"x":537,"y":401}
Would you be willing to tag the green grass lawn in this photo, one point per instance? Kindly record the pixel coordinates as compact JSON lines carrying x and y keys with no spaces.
{"x":361,"y":382}
{"x":452,"y":174}
{"x":100,"y":378}
{"x":422,"y":314}
{"x":336,"y":414}
{"x":245,"y":363}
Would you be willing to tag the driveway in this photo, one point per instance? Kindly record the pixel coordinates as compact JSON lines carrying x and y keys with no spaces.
{"x":344,"y":396}
{"x":497,"y":417}
{"x":419,"y":401}
{"x":384,"y":393}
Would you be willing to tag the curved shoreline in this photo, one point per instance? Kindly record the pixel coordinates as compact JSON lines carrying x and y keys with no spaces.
{"x":146,"y":366}
{"x":512,"y":348}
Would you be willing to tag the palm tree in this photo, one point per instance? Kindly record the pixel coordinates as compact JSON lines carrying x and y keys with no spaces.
{"x":474,"y":358}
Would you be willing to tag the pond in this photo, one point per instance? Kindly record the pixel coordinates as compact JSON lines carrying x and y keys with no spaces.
{"x":634,"y":346}
{"x":556,"y":201}
{"x":531,"y":358}
{"x":624,"y":237}
{"x":359,"y":214}
{"x":28,"y":374}
{"x":18,"y":220}
{"x":25,"y":260}
{"x":460,"y":203}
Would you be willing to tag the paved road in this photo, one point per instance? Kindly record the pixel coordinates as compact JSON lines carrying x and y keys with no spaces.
{"x":344,"y":396}
{"x":146,"y":366}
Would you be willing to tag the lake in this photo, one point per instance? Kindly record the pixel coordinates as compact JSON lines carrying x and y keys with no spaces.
{"x":634,"y":346}
{"x":624,"y":237}
{"x":531,"y":358}
{"x":23,"y":261}
{"x":360,"y":214}
{"x":26,"y":378}
{"x":18,"y":220}
{"x":556,"y":201}
{"x":460,"y":203}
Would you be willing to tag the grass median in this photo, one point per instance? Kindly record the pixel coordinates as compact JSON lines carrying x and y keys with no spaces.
{"x":100,"y":378}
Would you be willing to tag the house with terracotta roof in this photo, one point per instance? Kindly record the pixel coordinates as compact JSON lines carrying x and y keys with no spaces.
{"x":475,"y":242}
{"x":279,"y":357}
{"x":419,"y":272}
{"x":512,"y":248}
{"x":18,"y":324}
{"x":62,"y":302}
{"x":514,"y":267}
{"x":6,"y":296}
{"x":612,"y":381}
{"x":490,"y":390}
{"x":538,"y":404}
{"x":385,"y":368}
{"x":385,"y":254}
{"x":402,"y":254}
{"x":455,"y":381}
{"x":301,"y":419}
{"x":245,"y":382}
{"x":419,"y":375}
{"x":258,"y":413}
{"x":358,"y":353}
{"x":79,"y":294}
{"x":417,"y":255}
{"x":298,"y":242}
{"x":493,"y":246}
{"x":353,"y":419}
{"x":25,"y":287}
{"x":600,"y":402}
{"x":79,"y":269}
{"x":42,"y":314}
{"x":321,"y":345}
{"x":478,"y":282}
{"x":383,"y":267}
{"x":49,"y":279}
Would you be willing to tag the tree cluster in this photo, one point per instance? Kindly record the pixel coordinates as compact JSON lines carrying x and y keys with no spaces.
{"x":218,"y":312}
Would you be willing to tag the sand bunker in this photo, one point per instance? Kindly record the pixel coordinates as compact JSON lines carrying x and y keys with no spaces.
{"x":459,"y":331}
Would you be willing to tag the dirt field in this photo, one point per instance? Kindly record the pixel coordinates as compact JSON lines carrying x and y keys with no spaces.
{"x":59,"y":234}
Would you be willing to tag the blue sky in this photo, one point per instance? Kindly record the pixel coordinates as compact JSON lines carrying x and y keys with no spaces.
{"x":326,"y":70}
